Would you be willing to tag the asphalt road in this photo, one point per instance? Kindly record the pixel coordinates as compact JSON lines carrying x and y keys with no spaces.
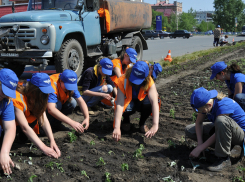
{"x":158,"y":48}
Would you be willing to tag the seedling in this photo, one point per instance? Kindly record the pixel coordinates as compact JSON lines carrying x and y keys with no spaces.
{"x":58,"y":165}
{"x":168,"y":178}
{"x":171,"y":164}
{"x":124,"y":166}
{"x":30,"y":179}
{"x":68,"y":157}
{"x":101,"y":162}
{"x":72,"y":136}
{"x":138,"y":152}
{"x":240,"y":179}
{"x":241,"y":169}
{"x":107,"y":177}
{"x":102,"y":139}
{"x":171,"y":144}
{"x":137,"y":119}
{"x":111,"y":152}
{"x":182,"y":168}
{"x":172,"y":113}
{"x":92,"y":143}
{"x":182,"y":139}
{"x":84,"y":173}
{"x":194,"y":117}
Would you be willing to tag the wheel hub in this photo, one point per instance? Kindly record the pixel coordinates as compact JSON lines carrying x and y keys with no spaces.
{"x":73,"y":60}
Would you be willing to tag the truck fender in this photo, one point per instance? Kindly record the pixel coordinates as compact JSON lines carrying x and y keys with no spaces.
{"x":127,"y":39}
{"x":70,"y":33}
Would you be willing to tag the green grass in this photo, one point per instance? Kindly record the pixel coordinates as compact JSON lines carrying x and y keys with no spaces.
{"x":197,"y":54}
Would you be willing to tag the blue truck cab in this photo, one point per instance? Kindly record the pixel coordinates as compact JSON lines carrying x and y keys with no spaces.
{"x":71,"y":33}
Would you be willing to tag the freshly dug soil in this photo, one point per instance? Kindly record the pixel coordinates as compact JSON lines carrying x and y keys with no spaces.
{"x":167,"y":147}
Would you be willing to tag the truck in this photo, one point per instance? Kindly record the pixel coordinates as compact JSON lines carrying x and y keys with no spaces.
{"x":180,"y":33}
{"x":71,"y":34}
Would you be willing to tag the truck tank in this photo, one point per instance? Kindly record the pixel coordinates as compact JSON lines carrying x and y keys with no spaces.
{"x":125,"y":16}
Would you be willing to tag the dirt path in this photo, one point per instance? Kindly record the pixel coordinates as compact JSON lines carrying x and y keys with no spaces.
{"x":96,"y":153}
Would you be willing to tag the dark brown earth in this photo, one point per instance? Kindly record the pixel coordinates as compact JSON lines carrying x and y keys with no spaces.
{"x":168,"y":145}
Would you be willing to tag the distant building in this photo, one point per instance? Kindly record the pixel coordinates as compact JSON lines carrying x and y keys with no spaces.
{"x":167,"y":8}
{"x":204,"y":16}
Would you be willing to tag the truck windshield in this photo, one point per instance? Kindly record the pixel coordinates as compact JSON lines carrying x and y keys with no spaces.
{"x":51,"y":4}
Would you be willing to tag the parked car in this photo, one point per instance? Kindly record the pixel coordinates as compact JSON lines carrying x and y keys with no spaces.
{"x":210,"y":32}
{"x":180,"y":33}
{"x":149,"y":34}
{"x":162,"y":34}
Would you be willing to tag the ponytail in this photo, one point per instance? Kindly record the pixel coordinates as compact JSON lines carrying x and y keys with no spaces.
{"x":233,"y":68}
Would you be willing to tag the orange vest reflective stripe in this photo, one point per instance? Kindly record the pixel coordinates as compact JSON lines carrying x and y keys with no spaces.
{"x":55,"y":83}
{"x":20,"y":102}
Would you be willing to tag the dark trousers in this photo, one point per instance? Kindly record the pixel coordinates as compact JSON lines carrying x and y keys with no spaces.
{"x":216,"y":41}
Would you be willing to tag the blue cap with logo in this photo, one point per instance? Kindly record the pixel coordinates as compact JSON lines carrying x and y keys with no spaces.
{"x":139,"y":72}
{"x":69,"y":78}
{"x":217,"y":67}
{"x":201,"y":96}
{"x":42,"y":81}
{"x":107,"y":66}
{"x":218,"y":26}
{"x":156,"y":70}
{"x":9,"y":82}
{"x":132,"y":54}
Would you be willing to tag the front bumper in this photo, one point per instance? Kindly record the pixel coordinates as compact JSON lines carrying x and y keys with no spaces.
{"x":26,"y":54}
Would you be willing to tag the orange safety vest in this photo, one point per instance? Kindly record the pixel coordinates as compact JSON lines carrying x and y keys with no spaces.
{"x":126,"y":89}
{"x":55,"y":83}
{"x":21,"y":103}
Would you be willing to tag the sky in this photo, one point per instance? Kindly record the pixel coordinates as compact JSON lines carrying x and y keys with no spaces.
{"x":198,"y":5}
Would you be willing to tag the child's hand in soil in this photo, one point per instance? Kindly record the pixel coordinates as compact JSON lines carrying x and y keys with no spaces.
{"x":6,"y":163}
{"x":77,"y":126}
{"x":152,"y":131}
{"x":196,"y":152}
{"x":116,"y":135}
{"x":86,"y":123}
{"x":50,"y":152}
{"x":54,"y":146}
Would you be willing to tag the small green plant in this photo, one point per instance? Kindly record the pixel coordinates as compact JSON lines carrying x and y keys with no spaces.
{"x":168,"y":178}
{"x":68,"y":157}
{"x":137,"y":119}
{"x":84,"y":173}
{"x":138,"y":152}
{"x":102,"y":139}
{"x":92,"y":143}
{"x":101,"y":162}
{"x":238,"y":179}
{"x":172,"y":113}
{"x":110,"y":152}
{"x":182,"y":139}
{"x":58,"y":166}
{"x":171,"y":144}
{"x":194,"y":117}
{"x":107,"y":177}
{"x":72,"y":136}
{"x":124,"y":166}
{"x":30,"y":179}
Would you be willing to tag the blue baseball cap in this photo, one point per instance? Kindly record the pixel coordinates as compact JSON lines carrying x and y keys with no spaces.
{"x":9,"y":82}
{"x":217,"y":67}
{"x":139,"y":72}
{"x":201,"y":96}
{"x":156,"y":70}
{"x":132,"y":54}
{"x":69,"y":78}
{"x":42,"y":81}
{"x":218,"y":26}
{"x":107,"y":66}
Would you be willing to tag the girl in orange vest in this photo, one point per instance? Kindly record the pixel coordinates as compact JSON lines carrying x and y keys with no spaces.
{"x":64,"y":100}
{"x":30,"y":105}
{"x":136,"y":92}
{"x":8,"y":83}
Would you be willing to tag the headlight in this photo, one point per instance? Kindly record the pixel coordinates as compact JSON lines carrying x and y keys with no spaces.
{"x":44,"y":39}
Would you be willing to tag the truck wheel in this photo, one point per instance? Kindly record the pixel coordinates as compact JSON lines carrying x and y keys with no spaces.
{"x":137,"y":45}
{"x":152,"y":38}
{"x":70,"y":56}
{"x":161,"y":37}
{"x":16,"y":67}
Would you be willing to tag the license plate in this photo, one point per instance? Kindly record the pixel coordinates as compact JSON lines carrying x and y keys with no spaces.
{"x":9,"y":54}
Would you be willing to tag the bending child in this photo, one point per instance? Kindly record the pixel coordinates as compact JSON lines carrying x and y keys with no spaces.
{"x":30,"y":105}
{"x":63,"y":101}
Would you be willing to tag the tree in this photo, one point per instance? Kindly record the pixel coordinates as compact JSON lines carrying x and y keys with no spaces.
{"x":173,"y":24}
{"x":226,"y":11}
{"x":202,"y":27}
{"x":187,"y":21}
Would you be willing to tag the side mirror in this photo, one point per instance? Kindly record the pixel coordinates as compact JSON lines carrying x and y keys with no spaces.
{"x":80,"y":4}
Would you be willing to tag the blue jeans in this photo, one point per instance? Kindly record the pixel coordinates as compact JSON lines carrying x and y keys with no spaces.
{"x":144,"y":107}
{"x":66,"y":109}
{"x":240,"y":99}
{"x":93,"y":100}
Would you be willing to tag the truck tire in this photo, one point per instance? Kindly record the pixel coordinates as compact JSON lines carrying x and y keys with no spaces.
{"x":70,"y":56}
{"x":137,"y":45}
{"x":16,"y":67}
